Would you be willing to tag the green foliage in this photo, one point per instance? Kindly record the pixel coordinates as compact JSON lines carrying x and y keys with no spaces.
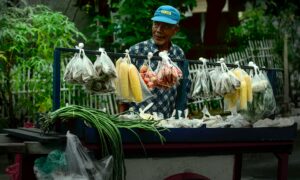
{"x":131,"y":23}
{"x":28,"y":37}
{"x":269,"y":21}
{"x":254,"y":25}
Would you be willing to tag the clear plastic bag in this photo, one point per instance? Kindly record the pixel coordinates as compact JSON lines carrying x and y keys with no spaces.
{"x":104,"y":66}
{"x":168,"y":73}
{"x":74,"y":163}
{"x":202,"y":81}
{"x":79,"y":163}
{"x":263,"y":104}
{"x":239,"y":99}
{"x":148,"y":75}
{"x":131,"y":87}
{"x":224,"y":81}
{"x":105,"y":75}
{"x":80,"y":69}
{"x":259,"y":82}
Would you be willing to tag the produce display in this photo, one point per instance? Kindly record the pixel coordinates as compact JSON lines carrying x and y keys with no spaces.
{"x":250,"y":93}
{"x":248,"y":97}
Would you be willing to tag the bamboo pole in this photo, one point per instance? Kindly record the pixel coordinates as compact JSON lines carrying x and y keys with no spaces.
{"x":286,"y":74}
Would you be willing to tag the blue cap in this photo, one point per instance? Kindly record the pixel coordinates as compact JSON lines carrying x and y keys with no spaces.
{"x":167,"y":14}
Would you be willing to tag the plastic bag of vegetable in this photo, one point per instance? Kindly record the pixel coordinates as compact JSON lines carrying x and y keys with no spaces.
{"x":147,"y":73}
{"x":259,"y":82}
{"x":131,"y":86}
{"x":239,"y":99}
{"x":104,"y":66}
{"x":168,"y":73}
{"x":223,"y":80}
{"x":202,"y":81}
{"x":80,"y":68}
{"x":263,"y":104}
{"x":105,"y":75}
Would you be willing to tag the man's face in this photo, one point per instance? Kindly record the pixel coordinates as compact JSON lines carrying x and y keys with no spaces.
{"x":163,"y":32}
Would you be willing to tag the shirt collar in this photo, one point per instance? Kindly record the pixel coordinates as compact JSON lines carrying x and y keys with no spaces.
{"x":154,"y":48}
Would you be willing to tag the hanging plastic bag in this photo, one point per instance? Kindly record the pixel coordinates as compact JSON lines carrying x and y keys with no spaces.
{"x":105,"y":75}
{"x":79,"y":163}
{"x":168,"y":73}
{"x":80,"y":69}
{"x":147,"y":74}
{"x":104,"y":66}
{"x":263,"y":104}
{"x":202,"y":82}
{"x":239,"y":99}
{"x":224,"y":82}
{"x":131,"y":86}
{"x":259,"y":83}
{"x":214,"y":78}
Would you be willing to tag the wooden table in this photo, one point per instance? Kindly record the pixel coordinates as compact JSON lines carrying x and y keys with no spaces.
{"x":179,"y":142}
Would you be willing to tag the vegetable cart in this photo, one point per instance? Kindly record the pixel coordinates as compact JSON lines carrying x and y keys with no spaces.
{"x":183,"y":141}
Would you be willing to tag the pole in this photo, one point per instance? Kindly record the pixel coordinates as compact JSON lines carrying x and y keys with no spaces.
{"x":286,"y":74}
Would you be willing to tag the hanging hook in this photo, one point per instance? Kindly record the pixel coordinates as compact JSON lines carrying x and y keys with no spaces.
{"x":127,"y":55}
{"x":237,"y":63}
{"x":80,"y":46}
{"x":150,"y":55}
{"x":101,"y":50}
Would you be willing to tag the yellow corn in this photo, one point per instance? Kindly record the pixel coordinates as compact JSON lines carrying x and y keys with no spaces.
{"x":135,"y":84}
{"x":231,"y":99}
{"x":243,"y":95}
{"x":249,"y":88}
{"x":118,"y":72}
{"x":124,"y":80}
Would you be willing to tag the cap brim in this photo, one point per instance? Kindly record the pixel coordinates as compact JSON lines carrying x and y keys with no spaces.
{"x":164,"y":19}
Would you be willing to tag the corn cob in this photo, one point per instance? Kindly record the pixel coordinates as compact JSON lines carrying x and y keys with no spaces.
{"x":135,"y":84}
{"x":124,"y":80}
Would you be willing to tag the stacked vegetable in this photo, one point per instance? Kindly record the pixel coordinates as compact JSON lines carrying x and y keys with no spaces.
{"x":108,"y":129}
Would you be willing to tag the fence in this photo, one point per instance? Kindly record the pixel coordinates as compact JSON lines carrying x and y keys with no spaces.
{"x":260,"y":52}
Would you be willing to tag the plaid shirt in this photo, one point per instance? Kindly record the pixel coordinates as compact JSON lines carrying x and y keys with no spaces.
{"x":163,"y":100}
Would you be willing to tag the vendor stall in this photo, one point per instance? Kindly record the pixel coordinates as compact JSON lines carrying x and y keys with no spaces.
{"x":181,"y":134}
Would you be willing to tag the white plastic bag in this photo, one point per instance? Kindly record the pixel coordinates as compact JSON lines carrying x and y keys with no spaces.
{"x":74,"y":163}
{"x":202,"y":81}
{"x":81,"y":166}
{"x":80,"y":68}
{"x":106,"y":74}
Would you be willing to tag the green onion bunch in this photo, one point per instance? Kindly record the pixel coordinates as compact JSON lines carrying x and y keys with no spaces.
{"x":108,"y":130}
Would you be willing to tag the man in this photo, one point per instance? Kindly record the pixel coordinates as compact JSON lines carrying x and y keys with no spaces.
{"x":165,"y":26}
